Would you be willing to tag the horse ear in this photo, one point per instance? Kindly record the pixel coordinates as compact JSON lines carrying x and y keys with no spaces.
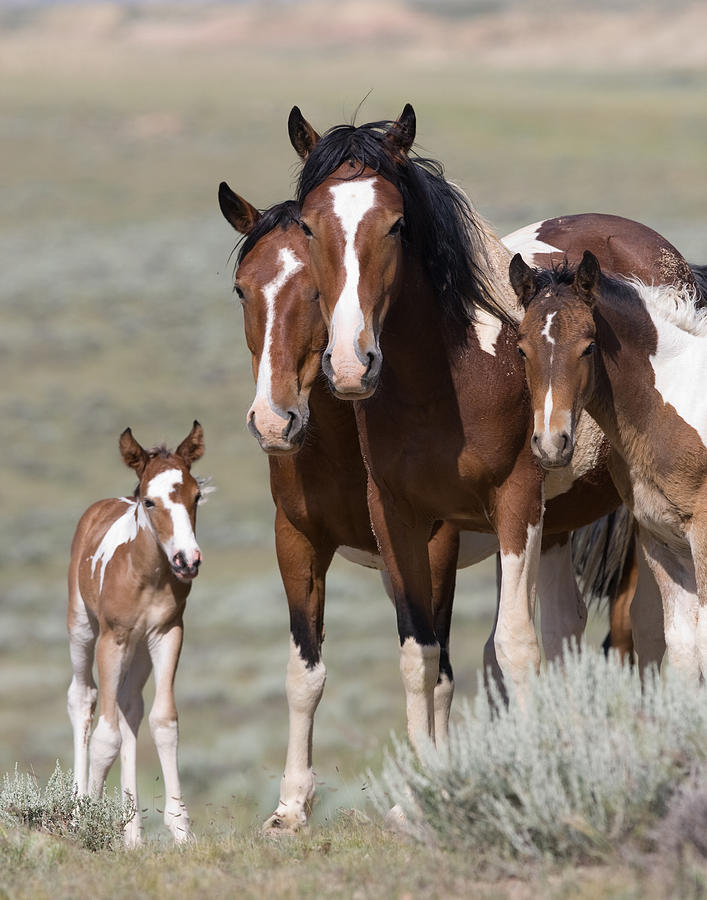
{"x":134,"y":456}
{"x":401,"y":135}
{"x":192,"y":447}
{"x":302,"y":136}
{"x":236,"y":210}
{"x":522,"y":279}
{"x":586,"y":279}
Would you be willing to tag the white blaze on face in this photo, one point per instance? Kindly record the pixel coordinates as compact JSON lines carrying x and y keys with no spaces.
{"x":525,"y":241}
{"x":122,"y":531}
{"x":288,"y":265}
{"x":160,"y":488}
{"x":352,"y":200}
{"x":547,"y":408}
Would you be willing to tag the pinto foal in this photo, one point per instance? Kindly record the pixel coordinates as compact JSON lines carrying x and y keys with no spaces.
{"x":132,"y":563}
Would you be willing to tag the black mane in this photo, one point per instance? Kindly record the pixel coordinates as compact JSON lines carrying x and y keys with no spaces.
{"x":282,"y":214}
{"x":440,"y":225}
{"x":562,"y":274}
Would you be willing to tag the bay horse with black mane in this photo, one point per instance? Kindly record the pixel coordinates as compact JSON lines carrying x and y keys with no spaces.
{"x":635,"y":356}
{"x":318,"y":484}
{"x":133,"y":560}
{"x":407,"y":274}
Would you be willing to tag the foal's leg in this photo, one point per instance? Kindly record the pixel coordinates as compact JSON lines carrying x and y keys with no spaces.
{"x":82,"y":694}
{"x":620,"y":636}
{"x":303,"y":569}
{"x":563,"y":612}
{"x":519,"y":522}
{"x":675,"y":577}
{"x":130,"y":711}
{"x":164,"y":648}
{"x":112,"y":656}
{"x":646,"y":613}
{"x":443,"y":551}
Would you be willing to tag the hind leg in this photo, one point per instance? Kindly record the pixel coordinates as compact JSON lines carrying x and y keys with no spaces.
{"x":563,"y":613}
{"x":112,"y":655}
{"x":443,"y":550}
{"x":82,"y":693}
{"x":130,"y":711}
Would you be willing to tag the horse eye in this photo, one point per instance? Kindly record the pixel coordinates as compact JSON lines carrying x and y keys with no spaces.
{"x":589,"y":349}
{"x":397,"y":227}
{"x":307,"y":230}
{"x":522,"y":353}
{"x":237,"y":290}
{"x":148,"y":503}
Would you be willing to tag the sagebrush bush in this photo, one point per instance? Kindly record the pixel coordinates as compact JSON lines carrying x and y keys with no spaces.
{"x":589,"y":757}
{"x":94,"y":824}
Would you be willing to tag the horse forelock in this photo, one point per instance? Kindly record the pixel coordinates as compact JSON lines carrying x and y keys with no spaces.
{"x":441,"y":226}
{"x":280,"y":215}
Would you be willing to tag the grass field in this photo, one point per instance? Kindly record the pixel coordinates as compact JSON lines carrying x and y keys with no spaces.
{"x":117,"y":310}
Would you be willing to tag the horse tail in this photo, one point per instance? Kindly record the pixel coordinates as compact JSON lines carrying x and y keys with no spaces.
{"x":599,"y":555}
{"x":699,"y":273}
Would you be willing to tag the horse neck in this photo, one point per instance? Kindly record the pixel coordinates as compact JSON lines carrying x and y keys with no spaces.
{"x":494,"y":259}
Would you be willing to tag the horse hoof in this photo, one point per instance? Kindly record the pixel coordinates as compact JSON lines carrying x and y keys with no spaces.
{"x":277,"y":826}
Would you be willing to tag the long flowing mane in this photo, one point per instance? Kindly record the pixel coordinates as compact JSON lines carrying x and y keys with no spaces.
{"x":440,"y":225}
{"x":281,"y":215}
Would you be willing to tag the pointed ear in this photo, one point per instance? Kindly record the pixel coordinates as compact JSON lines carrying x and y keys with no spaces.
{"x":134,"y":456}
{"x":522,"y":279}
{"x":236,"y":210}
{"x":587,"y":277}
{"x":302,"y":136}
{"x":401,"y":135}
{"x":192,"y":447}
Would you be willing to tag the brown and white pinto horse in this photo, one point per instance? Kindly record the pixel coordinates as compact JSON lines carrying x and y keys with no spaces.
{"x":635,"y":357}
{"x":445,"y":430}
{"x":132,"y":563}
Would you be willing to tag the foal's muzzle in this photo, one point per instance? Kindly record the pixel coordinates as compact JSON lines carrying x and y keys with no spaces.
{"x":552,"y":449}
{"x":186,"y":570}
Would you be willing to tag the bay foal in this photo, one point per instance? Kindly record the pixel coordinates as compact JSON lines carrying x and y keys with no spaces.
{"x":132,"y":563}
{"x":634,"y":356}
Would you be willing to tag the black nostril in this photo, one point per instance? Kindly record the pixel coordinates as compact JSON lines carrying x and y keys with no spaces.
{"x":565,"y":441}
{"x":196,"y":563}
{"x":534,"y":440}
{"x":292,"y":418}
{"x":179,"y":560}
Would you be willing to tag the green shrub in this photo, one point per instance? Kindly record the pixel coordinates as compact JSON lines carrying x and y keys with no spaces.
{"x":59,"y":810}
{"x":588,"y":758}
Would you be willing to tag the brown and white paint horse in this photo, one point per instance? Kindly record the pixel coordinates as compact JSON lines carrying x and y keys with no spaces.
{"x":132,"y":563}
{"x":634,"y":356}
{"x":445,"y":430}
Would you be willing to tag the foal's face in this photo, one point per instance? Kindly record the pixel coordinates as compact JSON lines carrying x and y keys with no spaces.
{"x":353,"y":226}
{"x":285,"y":334}
{"x":169,"y":494}
{"x":557,"y":342}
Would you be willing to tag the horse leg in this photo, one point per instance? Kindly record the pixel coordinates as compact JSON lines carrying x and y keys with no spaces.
{"x":112,"y":656}
{"x":82,"y":693}
{"x":647,"y":621}
{"x":620,"y":636}
{"x":164,"y":648}
{"x":563,"y":612}
{"x":675,"y":578}
{"x":303,"y":570}
{"x":492,"y":670}
{"x":698,"y":545}
{"x":130,"y":711}
{"x":404,"y":549}
{"x":519,"y":524}
{"x":443,"y":551}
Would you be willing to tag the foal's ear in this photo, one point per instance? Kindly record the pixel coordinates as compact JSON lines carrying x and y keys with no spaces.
{"x":302,"y":136}
{"x":522,"y":279}
{"x":586,"y":279}
{"x":134,"y":456}
{"x":236,"y":210}
{"x":401,"y":135}
{"x":192,"y":447}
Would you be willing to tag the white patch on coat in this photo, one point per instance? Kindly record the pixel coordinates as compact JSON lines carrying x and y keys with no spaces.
{"x":352,"y":200}
{"x":124,"y":530}
{"x":680,"y":359}
{"x":182,"y":539}
{"x":487,"y":328}
{"x":419,"y":667}
{"x":289,"y":264}
{"x":361,"y":557}
{"x":525,"y":241}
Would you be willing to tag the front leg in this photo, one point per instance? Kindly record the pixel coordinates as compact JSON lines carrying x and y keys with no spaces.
{"x":443,"y":551}
{"x":518,"y":517}
{"x":563,"y":612}
{"x":303,"y":568}
{"x":403,"y":546}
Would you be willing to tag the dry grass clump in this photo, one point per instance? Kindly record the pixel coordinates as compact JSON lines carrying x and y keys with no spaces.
{"x":588,"y":760}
